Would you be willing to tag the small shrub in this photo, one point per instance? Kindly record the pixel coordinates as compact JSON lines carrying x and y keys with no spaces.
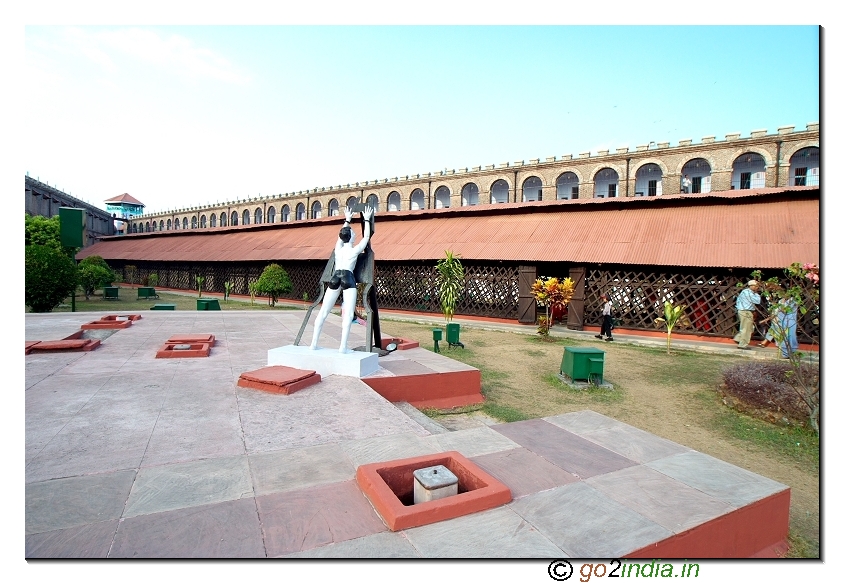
{"x":273,"y":282}
{"x":153,"y":279}
{"x":51,"y":276}
{"x":94,"y":273}
{"x":762,"y":389}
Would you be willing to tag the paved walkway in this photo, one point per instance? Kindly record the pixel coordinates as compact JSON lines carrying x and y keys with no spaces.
{"x":132,"y":456}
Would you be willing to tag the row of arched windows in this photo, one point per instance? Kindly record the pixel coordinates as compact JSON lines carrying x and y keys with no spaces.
{"x":749,"y":171}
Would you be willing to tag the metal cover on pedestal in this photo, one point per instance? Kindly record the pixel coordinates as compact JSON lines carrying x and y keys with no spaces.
{"x":435,"y":477}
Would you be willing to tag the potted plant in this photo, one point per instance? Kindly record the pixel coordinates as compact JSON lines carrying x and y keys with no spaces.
{"x":450,"y":283}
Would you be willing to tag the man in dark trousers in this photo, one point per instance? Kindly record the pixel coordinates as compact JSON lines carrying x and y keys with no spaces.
{"x":606,"y":324}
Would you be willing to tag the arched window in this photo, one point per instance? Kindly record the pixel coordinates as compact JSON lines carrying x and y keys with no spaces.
{"x":417,"y":200}
{"x":568,"y":186}
{"x":372,"y":201}
{"x":300,"y":212}
{"x":233,"y":221}
{"x":469,"y":194}
{"x":532,"y":189}
{"x":606,"y":183}
{"x":805,"y":167}
{"x":203,"y":222}
{"x":177,"y":224}
{"x":193,"y":222}
{"x":748,"y":172}
{"x":316,"y":210}
{"x":393,"y":202}
{"x":245,"y":216}
{"x":147,"y":227}
{"x":333,"y":208}
{"x":351,"y":201}
{"x":285,"y":214}
{"x":161,"y":225}
{"x":134,"y":227}
{"x":271,"y":214}
{"x":154,"y":226}
{"x":649,"y":180}
{"x":141,"y":228}
{"x":185,"y":223}
{"x":223,"y":219}
{"x":169,"y":224}
{"x":499,"y":192}
{"x":213,"y":220}
{"x":442,"y":196}
{"x":259,"y":216}
{"x":699,"y":173}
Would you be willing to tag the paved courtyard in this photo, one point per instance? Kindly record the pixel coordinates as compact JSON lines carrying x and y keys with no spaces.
{"x":132,"y":456}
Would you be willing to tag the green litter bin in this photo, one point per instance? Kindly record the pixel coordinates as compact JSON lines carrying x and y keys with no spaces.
{"x":207,"y":304}
{"x":583,"y":363}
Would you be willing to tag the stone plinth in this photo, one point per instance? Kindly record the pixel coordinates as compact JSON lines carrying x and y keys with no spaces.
{"x":325,"y":361}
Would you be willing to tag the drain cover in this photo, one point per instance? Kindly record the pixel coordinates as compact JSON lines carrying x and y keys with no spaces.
{"x":181,"y":347}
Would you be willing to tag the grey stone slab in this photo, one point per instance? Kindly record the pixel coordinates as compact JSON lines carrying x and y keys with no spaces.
{"x":226,"y":530}
{"x":426,"y":422}
{"x":71,"y":502}
{"x":335,"y":409}
{"x":582,"y":422}
{"x":635,"y":444}
{"x":89,"y":541}
{"x":586,"y":523}
{"x":731,"y":484}
{"x":523,"y":471}
{"x":293,"y":469}
{"x":184,"y":485}
{"x":405,"y":367}
{"x":388,"y":447}
{"x":473,"y":442}
{"x":493,"y":534}
{"x":663,"y":500}
{"x":383,"y":545}
{"x":202,"y":430}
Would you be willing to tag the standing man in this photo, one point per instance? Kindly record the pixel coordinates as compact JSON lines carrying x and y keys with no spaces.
{"x":746,"y":304}
{"x":606,"y":323}
{"x":687,"y":184}
{"x":343,"y":280}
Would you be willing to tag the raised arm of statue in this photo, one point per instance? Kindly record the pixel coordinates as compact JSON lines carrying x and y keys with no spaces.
{"x":368,"y":213}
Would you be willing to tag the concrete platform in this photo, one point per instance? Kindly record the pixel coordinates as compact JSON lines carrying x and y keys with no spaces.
{"x":132,"y":456}
{"x":325,"y":361}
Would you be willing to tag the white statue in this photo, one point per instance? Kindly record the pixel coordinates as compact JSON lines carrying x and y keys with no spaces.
{"x":345,"y":259}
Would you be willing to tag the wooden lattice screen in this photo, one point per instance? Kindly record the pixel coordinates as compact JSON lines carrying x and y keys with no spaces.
{"x":638,"y":298}
{"x":492,"y":290}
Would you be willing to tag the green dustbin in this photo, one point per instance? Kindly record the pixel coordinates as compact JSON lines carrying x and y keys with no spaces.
{"x":583,"y":363}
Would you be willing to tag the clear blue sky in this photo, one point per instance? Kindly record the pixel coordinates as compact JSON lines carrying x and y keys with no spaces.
{"x":185,"y":115}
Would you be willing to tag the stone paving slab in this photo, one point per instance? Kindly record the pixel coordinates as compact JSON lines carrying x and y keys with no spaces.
{"x":89,"y":541}
{"x":663,"y":500}
{"x":313,"y":517}
{"x":571,"y":452}
{"x":226,"y":530}
{"x":473,"y":442}
{"x":173,"y":486}
{"x":731,"y":484}
{"x":388,"y":447}
{"x":383,"y":545}
{"x":70,"y":502}
{"x":523,"y":471}
{"x":296,"y":469}
{"x":494,"y":534}
{"x":584,"y":522}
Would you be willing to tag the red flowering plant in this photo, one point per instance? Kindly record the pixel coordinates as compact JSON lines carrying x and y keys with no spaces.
{"x":552,"y":293}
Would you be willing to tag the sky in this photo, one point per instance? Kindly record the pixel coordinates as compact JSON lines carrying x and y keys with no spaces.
{"x":186,"y":115}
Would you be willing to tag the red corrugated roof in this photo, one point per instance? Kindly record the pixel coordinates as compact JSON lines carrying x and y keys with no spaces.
{"x":751,"y":228}
{"x":125,"y":198}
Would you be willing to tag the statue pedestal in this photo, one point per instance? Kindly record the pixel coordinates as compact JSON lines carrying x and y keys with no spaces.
{"x":325,"y":361}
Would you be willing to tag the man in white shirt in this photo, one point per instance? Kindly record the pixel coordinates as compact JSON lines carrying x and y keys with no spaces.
{"x":746,"y":303}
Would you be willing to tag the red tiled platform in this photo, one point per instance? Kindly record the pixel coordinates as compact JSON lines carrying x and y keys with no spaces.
{"x":64,"y":345}
{"x":387,"y":483}
{"x":278,"y":379}
{"x":192,"y":339}
{"x":195,"y":351}
{"x":426,"y":380}
{"x":111,"y":322}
